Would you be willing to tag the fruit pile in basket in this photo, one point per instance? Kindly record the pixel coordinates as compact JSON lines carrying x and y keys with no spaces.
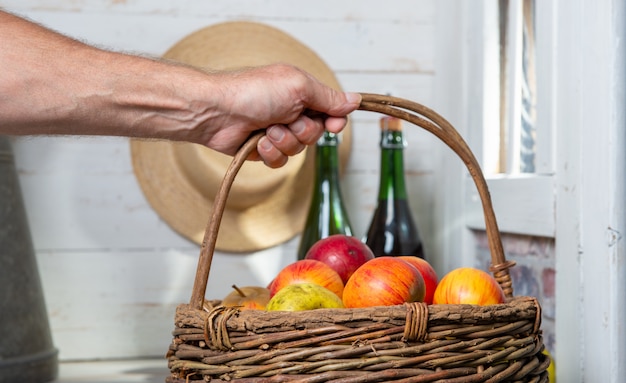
{"x":340,"y":271}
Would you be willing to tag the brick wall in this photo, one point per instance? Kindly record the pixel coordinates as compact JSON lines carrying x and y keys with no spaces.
{"x":532,"y":276}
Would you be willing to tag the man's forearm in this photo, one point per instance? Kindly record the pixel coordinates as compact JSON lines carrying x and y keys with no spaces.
{"x":50,"y":84}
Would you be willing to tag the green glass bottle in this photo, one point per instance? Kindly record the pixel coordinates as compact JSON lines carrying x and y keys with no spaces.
{"x":327,"y":214}
{"x":392,"y":231}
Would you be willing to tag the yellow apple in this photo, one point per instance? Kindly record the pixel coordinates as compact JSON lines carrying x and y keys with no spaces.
{"x":303,"y":296}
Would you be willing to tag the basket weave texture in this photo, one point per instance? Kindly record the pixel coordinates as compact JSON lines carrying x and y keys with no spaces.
{"x":413,"y":342}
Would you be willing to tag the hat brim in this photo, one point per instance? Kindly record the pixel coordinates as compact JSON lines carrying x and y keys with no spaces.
{"x":265,"y":207}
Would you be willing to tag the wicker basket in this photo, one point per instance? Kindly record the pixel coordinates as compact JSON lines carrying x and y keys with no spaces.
{"x":405,"y":343}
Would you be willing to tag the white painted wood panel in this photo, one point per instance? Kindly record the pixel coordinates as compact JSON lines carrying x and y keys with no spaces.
{"x":120,"y":303}
{"x":112,"y":270}
{"x":591,"y":218}
{"x":522,"y":204}
{"x":81,"y":193}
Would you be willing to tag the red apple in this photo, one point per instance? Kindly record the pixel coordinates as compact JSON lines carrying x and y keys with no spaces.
{"x":308,"y":271}
{"x":384,"y":281}
{"x":343,"y":253}
{"x":428,"y":273}
{"x":467,"y":285}
{"x":247,"y":298}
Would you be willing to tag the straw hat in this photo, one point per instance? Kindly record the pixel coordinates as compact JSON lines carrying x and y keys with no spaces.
{"x":265,"y":206}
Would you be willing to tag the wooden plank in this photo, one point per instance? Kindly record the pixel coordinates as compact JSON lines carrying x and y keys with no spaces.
{"x":345,"y":45}
{"x":405,"y":11}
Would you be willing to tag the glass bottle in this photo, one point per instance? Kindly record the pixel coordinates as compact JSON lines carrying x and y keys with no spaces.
{"x":327,"y":214}
{"x":392,"y":231}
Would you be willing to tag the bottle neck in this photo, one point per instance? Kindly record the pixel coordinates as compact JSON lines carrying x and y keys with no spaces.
{"x":392,"y":185}
{"x":327,"y":160}
{"x":327,"y":214}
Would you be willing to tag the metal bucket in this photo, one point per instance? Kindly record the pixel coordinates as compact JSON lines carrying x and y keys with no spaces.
{"x":27,"y":353}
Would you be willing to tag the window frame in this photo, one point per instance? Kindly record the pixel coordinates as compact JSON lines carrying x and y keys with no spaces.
{"x":524,"y":203}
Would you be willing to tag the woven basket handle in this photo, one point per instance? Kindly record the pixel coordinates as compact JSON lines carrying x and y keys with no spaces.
{"x":412,"y":112}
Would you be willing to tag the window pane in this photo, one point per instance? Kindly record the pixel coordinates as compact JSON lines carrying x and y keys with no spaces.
{"x":517,"y":87}
{"x":528,"y":113}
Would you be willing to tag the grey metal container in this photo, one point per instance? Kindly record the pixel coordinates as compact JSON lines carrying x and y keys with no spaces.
{"x":27,"y":353}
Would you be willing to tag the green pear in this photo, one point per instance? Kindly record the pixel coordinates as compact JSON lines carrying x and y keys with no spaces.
{"x":303,"y":296}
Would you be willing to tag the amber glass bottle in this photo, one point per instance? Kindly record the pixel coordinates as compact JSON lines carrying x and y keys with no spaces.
{"x":392,"y":231}
{"x":327,"y":214}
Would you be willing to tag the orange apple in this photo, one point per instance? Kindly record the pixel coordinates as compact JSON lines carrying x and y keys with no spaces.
{"x":308,"y":271}
{"x":342,"y":252}
{"x":467,"y":285}
{"x":247,"y":298}
{"x":428,"y":273}
{"x":384,"y":281}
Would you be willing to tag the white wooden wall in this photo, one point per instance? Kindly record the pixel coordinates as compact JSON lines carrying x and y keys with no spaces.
{"x":112,"y":271}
